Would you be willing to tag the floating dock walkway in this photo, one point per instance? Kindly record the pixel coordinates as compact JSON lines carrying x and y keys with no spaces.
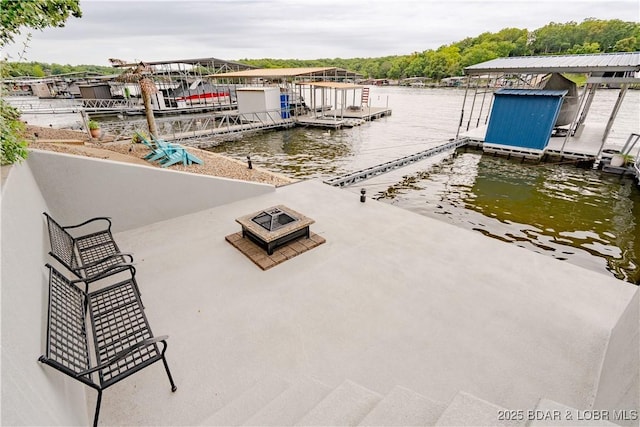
{"x":361,"y":175}
{"x":194,"y":129}
{"x":336,"y":119}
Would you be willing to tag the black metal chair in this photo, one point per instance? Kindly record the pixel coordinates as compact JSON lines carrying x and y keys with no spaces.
{"x":87,"y":255}
{"x":123,"y":341}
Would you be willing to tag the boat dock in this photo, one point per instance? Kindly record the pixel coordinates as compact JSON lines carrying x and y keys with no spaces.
{"x":336,"y":119}
{"x":503,"y":123}
{"x":583,"y":146}
{"x":193,"y":129}
{"x":361,"y":175}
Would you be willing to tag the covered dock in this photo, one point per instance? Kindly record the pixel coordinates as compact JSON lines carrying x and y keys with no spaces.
{"x":183,"y":87}
{"x":315,"y":96}
{"x":575,"y":140}
{"x":350,"y":106}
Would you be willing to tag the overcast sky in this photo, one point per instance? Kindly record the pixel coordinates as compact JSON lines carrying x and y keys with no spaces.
{"x":157,"y":30}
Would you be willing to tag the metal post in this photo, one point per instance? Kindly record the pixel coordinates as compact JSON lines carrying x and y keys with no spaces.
{"x":614,"y":113}
{"x":464,"y":101}
{"x":573,"y":124}
{"x":484,"y":95}
{"x":475,"y":94}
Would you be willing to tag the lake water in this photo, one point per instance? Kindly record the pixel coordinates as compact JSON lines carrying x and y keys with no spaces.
{"x":574,"y":215}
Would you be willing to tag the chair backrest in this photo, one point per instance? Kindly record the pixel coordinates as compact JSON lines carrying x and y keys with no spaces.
{"x":62,"y":244}
{"x":144,"y":140}
{"x":67,"y":349}
{"x":164,"y":145}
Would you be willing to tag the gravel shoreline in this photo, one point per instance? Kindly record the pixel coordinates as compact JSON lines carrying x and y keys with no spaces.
{"x":213,"y":164}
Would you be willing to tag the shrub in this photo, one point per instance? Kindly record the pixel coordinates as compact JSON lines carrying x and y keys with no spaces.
{"x":14,"y":146}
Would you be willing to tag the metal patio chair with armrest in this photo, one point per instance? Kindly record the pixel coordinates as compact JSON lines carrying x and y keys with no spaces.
{"x":123,"y":343}
{"x":90,"y":254}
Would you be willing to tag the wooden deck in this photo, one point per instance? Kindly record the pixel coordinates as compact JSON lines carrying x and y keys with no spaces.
{"x":336,"y":119}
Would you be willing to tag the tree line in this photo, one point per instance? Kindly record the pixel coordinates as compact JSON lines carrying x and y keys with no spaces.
{"x":590,"y":36}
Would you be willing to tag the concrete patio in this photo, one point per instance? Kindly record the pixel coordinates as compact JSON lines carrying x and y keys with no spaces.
{"x":393,"y":304}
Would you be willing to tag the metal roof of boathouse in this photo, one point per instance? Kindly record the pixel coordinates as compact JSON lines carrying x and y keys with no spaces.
{"x":215,"y":62}
{"x":587,"y":63}
{"x":530,"y":92}
{"x":322,"y":72}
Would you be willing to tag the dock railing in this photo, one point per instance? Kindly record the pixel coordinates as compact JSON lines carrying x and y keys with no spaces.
{"x":46,"y":106}
{"x":196,"y":128}
{"x":74,"y":105}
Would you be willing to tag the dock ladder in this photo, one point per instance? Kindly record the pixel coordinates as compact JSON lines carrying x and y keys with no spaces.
{"x":364,"y":100}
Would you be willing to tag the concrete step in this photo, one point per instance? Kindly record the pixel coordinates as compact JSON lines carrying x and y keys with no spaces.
{"x":551,"y":413}
{"x":290,"y":405}
{"x":248,"y":403}
{"x":404,"y":407}
{"x":346,"y":405}
{"x":468,"y":410}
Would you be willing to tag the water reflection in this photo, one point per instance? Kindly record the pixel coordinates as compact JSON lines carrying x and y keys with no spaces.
{"x":559,"y":210}
{"x":569,"y":213}
{"x":298,"y":152}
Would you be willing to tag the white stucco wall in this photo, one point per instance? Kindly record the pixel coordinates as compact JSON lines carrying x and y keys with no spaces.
{"x":32,"y":393}
{"x":619,"y":386}
{"x":77,"y":188}
{"x":74,"y":189}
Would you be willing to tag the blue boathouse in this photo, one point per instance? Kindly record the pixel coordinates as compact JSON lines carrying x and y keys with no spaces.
{"x":524,"y":118}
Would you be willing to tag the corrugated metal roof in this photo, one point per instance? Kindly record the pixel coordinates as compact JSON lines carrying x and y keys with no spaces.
{"x":332,"y":85}
{"x":215,"y":62}
{"x":530,"y":92}
{"x":590,"y":63}
{"x":287,"y":72}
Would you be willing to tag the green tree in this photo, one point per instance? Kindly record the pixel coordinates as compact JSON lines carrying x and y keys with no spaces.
{"x":14,"y":146}
{"x":35,"y":14}
{"x":555,"y":38}
{"x":443,"y":62}
{"x":398,"y":67}
{"x":607,"y":33}
{"x":478,"y":53}
{"x":585,"y":47}
{"x":38,"y":71}
{"x":630,"y":44}
{"x":14,"y":15}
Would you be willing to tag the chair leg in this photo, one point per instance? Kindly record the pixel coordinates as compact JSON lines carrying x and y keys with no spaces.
{"x":95,"y":418}
{"x":135,"y":285}
{"x":166,"y":367}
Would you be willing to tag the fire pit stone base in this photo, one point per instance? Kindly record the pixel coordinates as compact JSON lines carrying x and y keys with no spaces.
{"x":279,"y":255}
{"x":275,"y":227}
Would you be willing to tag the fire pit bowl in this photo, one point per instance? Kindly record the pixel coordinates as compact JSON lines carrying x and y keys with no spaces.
{"x":272,"y":219}
{"x":274,"y":227}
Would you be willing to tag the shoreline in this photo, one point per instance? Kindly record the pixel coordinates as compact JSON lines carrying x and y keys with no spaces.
{"x":80,"y":144}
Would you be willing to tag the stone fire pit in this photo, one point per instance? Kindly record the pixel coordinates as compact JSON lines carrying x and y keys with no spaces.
{"x":274,"y":227}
